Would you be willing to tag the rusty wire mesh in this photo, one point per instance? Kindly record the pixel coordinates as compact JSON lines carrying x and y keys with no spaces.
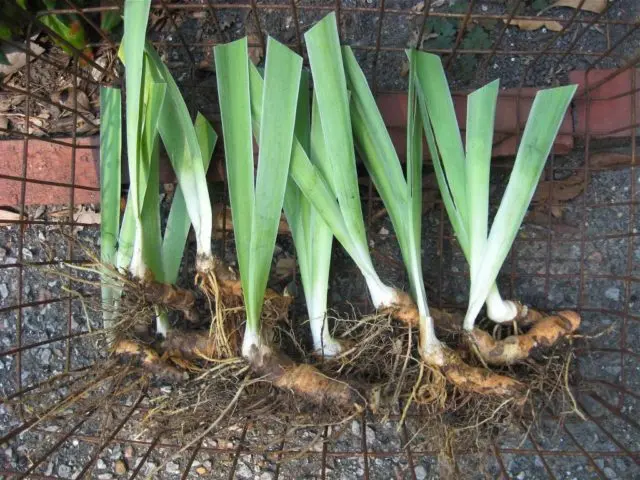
{"x":611,"y":400}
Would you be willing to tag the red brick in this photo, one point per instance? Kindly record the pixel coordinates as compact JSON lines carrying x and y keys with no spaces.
{"x":49,"y":162}
{"x":610,"y":104}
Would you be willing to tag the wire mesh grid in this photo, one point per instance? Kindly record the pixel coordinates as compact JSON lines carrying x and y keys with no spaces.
{"x":604,"y":445}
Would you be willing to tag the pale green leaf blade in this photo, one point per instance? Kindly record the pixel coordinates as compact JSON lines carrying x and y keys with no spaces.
{"x":151,"y":234}
{"x":481,"y":111}
{"x":232,"y":61}
{"x":154,"y":94}
{"x":136,"y":14}
{"x":414,"y":160}
{"x":325,"y":57}
{"x":178,"y":222}
{"x":127,"y":235}
{"x":296,"y":207}
{"x":455,"y":218}
{"x":314,"y":187}
{"x":543,"y":124}
{"x":110,"y":187}
{"x":110,"y":171}
{"x":317,"y":148}
{"x":374,"y":143}
{"x":303,"y":112}
{"x":181,"y":143}
{"x":279,"y":101}
{"x":412,"y":252}
{"x":320,"y":239}
{"x":439,"y":105}
{"x":309,"y":179}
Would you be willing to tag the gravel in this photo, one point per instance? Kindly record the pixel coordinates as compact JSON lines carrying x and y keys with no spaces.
{"x":64,"y":471}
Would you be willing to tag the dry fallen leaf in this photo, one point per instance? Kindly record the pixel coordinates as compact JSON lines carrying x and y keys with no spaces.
{"x":541,"y":218}
{"x":559,"y":190}
{"x":610,"y":160}
{"x":536,"y":24}
{"x":65,"y":97}
{"x":17,"y":57}
{"x":85,"y":215}
{"x":595,"y":6}
{"x":6,"y":214}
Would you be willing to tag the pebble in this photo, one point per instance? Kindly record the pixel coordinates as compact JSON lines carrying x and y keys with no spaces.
{"x":4,"y":291}
{"x":116,"y":454}
{"x":105,"y":476}
{"x":120,"y":467}
{"x":49,"y":471}
{"x":128,"y":451}
{"x":610,"y":473}
{"x":64,"y":471}
{"x":27,"y":254}
{"x":201,"y":471}
{"x":521,"y":476}
{"x":355,"y":428}
{"x":384,"y":231}
{"x":172,"y":467}
{"x":612,"y":293}
{"x":207,"y":464}
{"x":371,"y":435}
{"x":267,"y":475}
{"x":100,"y":464}
{"x":8,"y":452}
{"x":45,"y":356}
{"x":244,"y":471}
{"x":10,"y":260}
{"x":421,"y":472}
{"x":3,"y":253}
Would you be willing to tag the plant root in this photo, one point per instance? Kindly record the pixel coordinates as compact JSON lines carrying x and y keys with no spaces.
{"x":304,"y":380}
{"x":465,"y":377}
{"x":171,"y":297}
{"x":543,"y":334}
{"x":147,"y":358}
{"x":479,"y":380}
{"x":191,"y":345}
{"x":406,"y":311}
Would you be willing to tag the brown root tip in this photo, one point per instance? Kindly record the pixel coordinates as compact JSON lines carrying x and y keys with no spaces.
{"x":527,"y":316}
{"x":171,"y":297}
{"x":190,"y":345}
{"x":304,"y":380}
{"x":543,"y":334}
{"x":147,"y":358}
{"x":479,"y":380}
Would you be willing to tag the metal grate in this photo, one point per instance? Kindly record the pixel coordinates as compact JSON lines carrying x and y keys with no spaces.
{"x":604,"y":445}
